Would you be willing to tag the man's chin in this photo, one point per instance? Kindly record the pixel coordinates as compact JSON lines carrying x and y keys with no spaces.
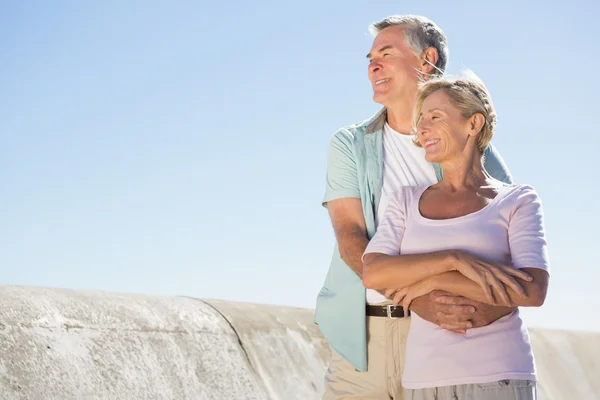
{"x":379,"y":98}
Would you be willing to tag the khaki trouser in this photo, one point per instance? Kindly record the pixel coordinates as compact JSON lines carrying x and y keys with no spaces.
{"x":386,"y":342}
{"x":509,"y":389}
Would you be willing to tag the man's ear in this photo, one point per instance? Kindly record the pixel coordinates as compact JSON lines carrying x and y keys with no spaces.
{"x":429,"y":59}
{"x":476,"y":123}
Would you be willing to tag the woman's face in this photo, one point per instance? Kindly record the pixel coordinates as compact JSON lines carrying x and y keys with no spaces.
{"x":441,"y":129}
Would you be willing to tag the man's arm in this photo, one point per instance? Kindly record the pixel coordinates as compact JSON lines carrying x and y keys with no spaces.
{"x":350,"y":231}
{"x":495,"y":165}
{"x":342,"y":199}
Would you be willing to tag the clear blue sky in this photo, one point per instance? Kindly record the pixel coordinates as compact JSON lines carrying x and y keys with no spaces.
{"x":179,"y":148}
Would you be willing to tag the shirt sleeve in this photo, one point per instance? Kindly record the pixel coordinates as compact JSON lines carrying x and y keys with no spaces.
{"x":342,"y":178}
{"x":495,"y":165}
{"x":391,"y":228}
{"x":526,"y":236}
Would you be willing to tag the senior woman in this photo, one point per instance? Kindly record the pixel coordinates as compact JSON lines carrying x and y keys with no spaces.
{"x":469,"y":235}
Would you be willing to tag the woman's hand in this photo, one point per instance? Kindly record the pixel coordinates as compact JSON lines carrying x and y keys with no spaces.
{"x":491,"y":277}
{"x":408,"y":294}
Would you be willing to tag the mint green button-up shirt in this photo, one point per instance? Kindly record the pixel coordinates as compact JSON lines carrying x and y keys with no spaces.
{"x":355,"y":170}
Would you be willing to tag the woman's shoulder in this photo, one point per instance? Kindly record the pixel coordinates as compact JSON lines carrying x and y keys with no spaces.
{"x":518,"y":190}
{"x":520,"y":195}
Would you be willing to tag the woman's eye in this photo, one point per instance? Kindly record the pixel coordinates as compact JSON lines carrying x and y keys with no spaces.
{"x":434,"y":117}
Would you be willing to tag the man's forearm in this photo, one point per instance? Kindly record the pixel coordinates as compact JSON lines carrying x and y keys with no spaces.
{"x":352,"y":246}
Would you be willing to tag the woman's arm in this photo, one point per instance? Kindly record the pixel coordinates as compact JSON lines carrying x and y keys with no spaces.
{"x":384,"y":267}
{"x":528,"y":248}
{"x":382,"y":271}
{"x":456,"y":283}
{"x":419,"y":270}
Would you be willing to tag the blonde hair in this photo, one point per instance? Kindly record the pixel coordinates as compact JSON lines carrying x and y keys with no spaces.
{"x":469,"y":95}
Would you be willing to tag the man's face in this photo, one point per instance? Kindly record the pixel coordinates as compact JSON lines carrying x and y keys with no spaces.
{"x":393,"y":67}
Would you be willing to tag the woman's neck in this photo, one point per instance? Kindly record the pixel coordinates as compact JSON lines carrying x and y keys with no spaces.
{"x":465,"y":173}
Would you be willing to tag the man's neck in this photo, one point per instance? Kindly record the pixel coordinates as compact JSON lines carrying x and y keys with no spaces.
{"x":399,"y":117}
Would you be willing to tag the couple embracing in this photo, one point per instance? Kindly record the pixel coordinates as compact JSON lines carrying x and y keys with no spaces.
{"x":436,"y":247}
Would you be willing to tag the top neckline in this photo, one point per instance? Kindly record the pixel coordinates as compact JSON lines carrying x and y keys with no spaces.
{"x":417,"y":212}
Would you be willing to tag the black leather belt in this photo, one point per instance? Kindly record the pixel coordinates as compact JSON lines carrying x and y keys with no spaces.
{"x":389,"y":310}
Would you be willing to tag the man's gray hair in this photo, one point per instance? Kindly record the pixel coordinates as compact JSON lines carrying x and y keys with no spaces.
{"x":421,"y":33}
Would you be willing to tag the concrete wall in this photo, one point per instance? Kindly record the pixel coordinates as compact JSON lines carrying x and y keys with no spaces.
{"x":65,"y":344}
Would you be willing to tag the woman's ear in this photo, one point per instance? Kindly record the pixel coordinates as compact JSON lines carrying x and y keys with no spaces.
{"x":476,"y":123}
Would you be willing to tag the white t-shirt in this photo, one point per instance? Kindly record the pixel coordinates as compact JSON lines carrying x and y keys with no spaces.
{"x":404,"y":164}
{"x":509,"y":229}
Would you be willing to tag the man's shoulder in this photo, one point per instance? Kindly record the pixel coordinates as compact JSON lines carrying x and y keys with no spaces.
{"x":357,"y":129}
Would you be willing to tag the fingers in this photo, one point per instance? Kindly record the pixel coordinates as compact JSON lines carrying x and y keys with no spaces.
{"x":438,"y":293}
{"x":500,"y":295}
{"x":389,"y":292}
{"x":462,"y":321}
{"x":406,"y":301}
{"x":498,"y":289}
{"x":479,"y":272}
{"x":507,"y":273}
{"x":452,"y":300}
{"x":456,"y":319}
{"x":517,"y":273}
{"x":503,"y":273}
{"x":513,"y":284}
{"x":499,"y":278}
{"x":516,"y":286}
{"x":485,"y":286}
{"x":399,"y":296}
{"x":458,"y":327}
{"x":455,"y":312}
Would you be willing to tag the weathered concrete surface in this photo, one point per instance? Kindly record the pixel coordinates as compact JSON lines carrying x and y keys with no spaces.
{"x":284,"y":346}
{"x":568,"y":364}
{"x":64,"y":344}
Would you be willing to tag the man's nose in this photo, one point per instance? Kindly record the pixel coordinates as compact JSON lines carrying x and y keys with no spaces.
{"x":374,"y":67}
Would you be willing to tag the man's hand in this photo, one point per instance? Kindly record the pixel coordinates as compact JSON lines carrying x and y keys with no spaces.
{"x":456,"y":313}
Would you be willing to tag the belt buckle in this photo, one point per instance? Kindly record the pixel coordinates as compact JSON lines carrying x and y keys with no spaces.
{"x":389,"y":310}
